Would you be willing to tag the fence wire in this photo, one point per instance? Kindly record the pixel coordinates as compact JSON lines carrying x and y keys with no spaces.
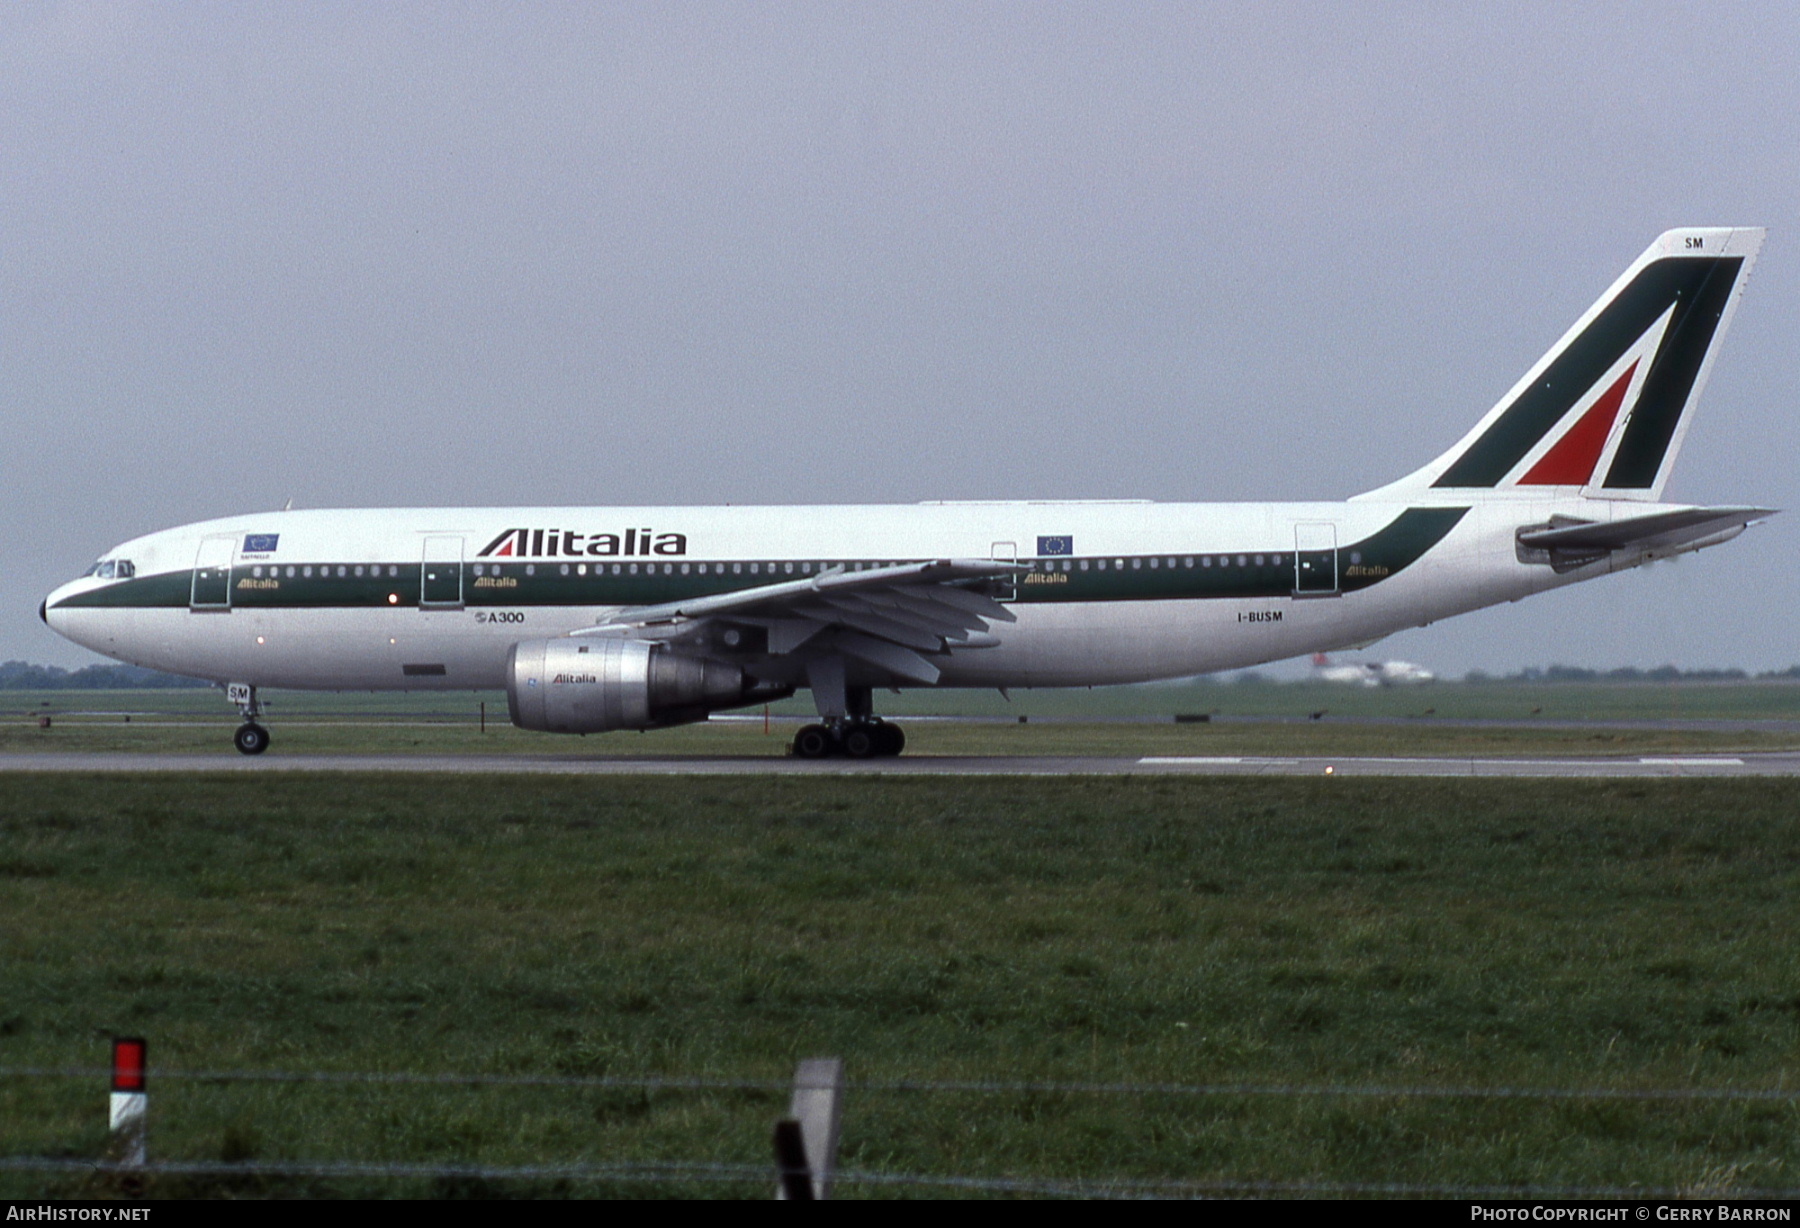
{"x":982,"y":1086}
{"x":665,"y":1172}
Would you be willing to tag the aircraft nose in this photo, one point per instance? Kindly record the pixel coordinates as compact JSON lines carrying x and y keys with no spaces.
{"x":44,"y":611}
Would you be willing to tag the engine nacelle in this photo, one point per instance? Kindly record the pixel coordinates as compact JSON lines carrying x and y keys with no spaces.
{"x":593,"y":685}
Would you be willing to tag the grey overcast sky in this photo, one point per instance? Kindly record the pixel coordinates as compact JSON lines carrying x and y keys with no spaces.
{"x":389,"y":254}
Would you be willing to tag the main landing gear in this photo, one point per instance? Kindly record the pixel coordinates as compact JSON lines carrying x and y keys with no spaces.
{"x":848,"y":724}
{"x":250,"y":738}
{"x":863,"y":738}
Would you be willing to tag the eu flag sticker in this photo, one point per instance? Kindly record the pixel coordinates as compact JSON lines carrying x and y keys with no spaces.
{"x":260,"y":543}
{"x":1055,"y":545}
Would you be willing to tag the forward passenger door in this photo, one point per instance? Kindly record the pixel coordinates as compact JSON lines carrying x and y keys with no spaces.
{"x":441,"y":577}
{"x":211,"y":589}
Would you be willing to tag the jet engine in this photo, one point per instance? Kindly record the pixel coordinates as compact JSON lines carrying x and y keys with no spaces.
{"x":593,"y":685}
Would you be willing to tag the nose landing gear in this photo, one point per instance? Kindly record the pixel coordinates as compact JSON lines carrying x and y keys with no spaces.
{"x":250,"y":738}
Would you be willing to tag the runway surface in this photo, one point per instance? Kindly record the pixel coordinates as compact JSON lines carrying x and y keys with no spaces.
{"x":1646,"y":766}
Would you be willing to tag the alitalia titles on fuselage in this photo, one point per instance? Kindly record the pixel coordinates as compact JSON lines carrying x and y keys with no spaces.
{"x":566,"y":543}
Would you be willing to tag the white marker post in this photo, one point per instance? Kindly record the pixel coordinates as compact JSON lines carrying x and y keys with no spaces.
{"x":806,"y":1143}
{"x":130,"y":1101}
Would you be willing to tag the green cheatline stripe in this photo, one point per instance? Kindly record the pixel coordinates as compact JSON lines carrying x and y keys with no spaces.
{"x":1199,"y":576}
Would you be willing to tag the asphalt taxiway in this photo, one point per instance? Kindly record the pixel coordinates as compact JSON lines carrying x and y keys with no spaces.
{"x":1785,"y":763}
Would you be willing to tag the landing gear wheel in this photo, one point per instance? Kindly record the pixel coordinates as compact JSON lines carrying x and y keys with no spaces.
{"x":814,"y":742}
{"x":862,"y":741}
{"x":251,"y":739}
{"x":889,"y":740}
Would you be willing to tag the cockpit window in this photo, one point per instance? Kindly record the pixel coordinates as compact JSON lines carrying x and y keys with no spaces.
{"x":111,"y":569}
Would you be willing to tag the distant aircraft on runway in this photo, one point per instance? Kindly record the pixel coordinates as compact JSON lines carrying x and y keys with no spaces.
{"x":603,"y":618}
{"x":1369,"y":673}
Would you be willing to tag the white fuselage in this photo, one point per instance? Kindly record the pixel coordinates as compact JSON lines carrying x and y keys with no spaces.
{"x":1118,"y":592}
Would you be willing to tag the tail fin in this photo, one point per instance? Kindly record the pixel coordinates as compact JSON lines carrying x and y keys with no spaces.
{"x":1604,"y":412}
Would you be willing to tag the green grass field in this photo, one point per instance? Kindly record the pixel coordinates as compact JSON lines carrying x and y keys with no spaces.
{"x":1404,"y":933}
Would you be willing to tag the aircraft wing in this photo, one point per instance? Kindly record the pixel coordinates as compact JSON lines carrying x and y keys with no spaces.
{"x":1572,"y":543}
{"x":886,"y":616}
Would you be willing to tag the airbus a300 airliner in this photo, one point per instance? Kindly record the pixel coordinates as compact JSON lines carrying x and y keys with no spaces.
{"x":605,"y":618}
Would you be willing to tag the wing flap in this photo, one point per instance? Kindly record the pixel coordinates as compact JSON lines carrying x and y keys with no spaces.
{"x":872,"y":618}
{"x":892,"y":657}
{"x":945,"y":613}
{"x":979,"y":604}
{"x":841,"y":614}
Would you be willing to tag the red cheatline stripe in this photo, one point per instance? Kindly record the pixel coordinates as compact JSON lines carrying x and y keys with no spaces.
{"x":1571,"y":462}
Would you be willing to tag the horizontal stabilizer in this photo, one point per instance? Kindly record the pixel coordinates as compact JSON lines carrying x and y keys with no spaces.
{"x":1571,"y":543}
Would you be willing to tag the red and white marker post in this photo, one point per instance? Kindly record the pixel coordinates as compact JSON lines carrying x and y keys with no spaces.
{"x":130,"y":1101}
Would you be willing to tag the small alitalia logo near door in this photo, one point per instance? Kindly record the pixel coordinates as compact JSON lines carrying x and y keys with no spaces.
{"x":560,"y":543}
